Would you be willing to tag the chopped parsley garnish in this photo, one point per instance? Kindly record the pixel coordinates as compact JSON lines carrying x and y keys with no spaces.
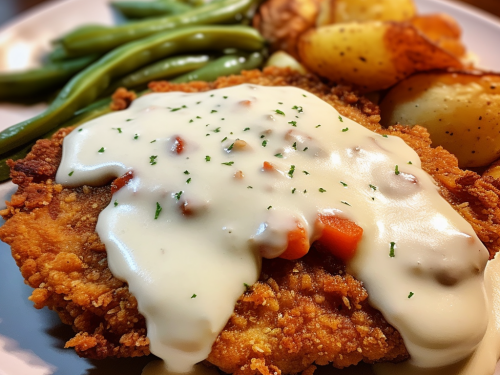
{"x":198,"y":116}
{"x":294,"y":146}
{"x":321,"y":190}
{"x":188,"y":180}
{"x":80,"y":129}
{"x":207,"y":158}
{"x":213,"y":111}
{"x":230,"y":147}
{"x":293,"y":190}
{"x":246,"y":129}
{"x":153,"y":141}
{"x":225,"y":97}
{"x":186,"y":172}
{"x":344,"y":202}
{"x":304,"y":95}
{"x":249,"y":187}
{"x":343,"y":183}
{"x":298,"y":108}
{"x":305,"y":191}
{"x":262,"y":136}
{"x":193,"y":296}
{"x":152,"y":159}
{"x":279,"y":155}
{"x":71,"y":173}
{"x":293,"y":123}
{"x":305,"y":148}
{"x":305,"y":172}
{"x":247,"y":287}
{"x":280,"y":112}
{"x":207,"y":134}
{"x":198,"y":102}
{"x":292,"y":169}
{"x":391,"y":251}
{"x":385,"y":136}
{"x":212,"y":95}
{"x":216,"y":130}
{"x":410,"y":162}
{"x":373,"y":187}
{"x":136,"y":136}
{"x":228,"y":163}
{"x":317,"y":126}
{"x":158,"y":210}
{"x":341,"y":119}
{"x":396,"y":170}
{"x":115,"y":204}
{"x":269,"y":207}
{"x":178,"y":195}
{"x":223,"y":139}
{"x":264,"y":143}
{"x":280,"y":102}
{"x":191,"y":120}
{"x":344,"y":130}
{"x":411,"y":294}
{"x":129,"y":119}
{"x":101,"y":150}
{"x":119,"y":129}
{"x":184,"y":106}
{"x":175,"y":109}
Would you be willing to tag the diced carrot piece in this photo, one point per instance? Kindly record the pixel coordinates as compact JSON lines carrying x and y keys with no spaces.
{"x":298,"y":244}
{"x":245,"y":102}
{"x":339,"y":236}
{"x":120,"y":182}
{"x":268,"y":167}
{"x":178,"y":145}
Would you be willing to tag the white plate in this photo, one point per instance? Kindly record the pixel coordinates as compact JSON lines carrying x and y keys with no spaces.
{"x":31,"y":341}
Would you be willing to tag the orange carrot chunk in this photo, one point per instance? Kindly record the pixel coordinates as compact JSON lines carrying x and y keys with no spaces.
{"x":120,"y":182}
{"x":298,"y":244}
{"x":268,"y":167}
{"x":339,"y":236}
{"x":178,"y":145}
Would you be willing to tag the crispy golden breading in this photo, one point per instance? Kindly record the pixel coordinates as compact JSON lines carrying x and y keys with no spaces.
{"x":300,"y":313}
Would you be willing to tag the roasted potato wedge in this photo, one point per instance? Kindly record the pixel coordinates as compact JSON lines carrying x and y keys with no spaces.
{"x":371,"y":55}
{"x":340,"y":11}
{"x":442,"y":30}
{"x":281,"y":22}
{"x":461,"y":110}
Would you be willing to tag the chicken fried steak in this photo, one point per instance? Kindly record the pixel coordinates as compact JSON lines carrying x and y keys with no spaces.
{"x":300,"y":313}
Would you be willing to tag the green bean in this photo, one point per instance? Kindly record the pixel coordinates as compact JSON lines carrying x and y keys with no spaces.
{"x":86,"y":86}
{"x":164,"y":69}
{"x":95,"y":110}
{"x":223,"y":66}
{"x":144,"y":9}
{"x":36,"y":81}
{"x":98,"y":41}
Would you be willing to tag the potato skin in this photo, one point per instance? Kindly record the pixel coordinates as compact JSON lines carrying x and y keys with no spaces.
{"x":371,"y":55}
{"x":340,"y":11}
{"x":461,"y":111}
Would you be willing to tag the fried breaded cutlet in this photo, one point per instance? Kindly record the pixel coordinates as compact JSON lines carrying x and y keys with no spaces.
{"x":299,"y":313}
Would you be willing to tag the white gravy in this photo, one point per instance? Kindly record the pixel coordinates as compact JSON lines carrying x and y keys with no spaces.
{"x":189,"y":229}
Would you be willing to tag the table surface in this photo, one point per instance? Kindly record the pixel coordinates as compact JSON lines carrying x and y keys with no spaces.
{"x":10,"y":8}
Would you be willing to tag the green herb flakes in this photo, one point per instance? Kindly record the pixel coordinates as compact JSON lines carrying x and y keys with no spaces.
{"x":217,"y":130}
{"x":305,"y":172}
{"x":207,"y":158}
{"x":291,"y":170}
{"x":410,"y":163}
{"x":293,"y":123}
{"x":294,"y":146}
{"x":391,"y":251}
{"x":280,"y":112}
{"x":158,"y":210}
{"x":317,"y":126}
{"x":411,"y":294}
{"x":264,"y":143}
{"x":373,"y":187}
{"x":101,"y":150}
{"x":186,"y":172}
{"x":230,"y":147}
{"x":321,"y":190}
{"x":115,"y":203}
{"x":293,"y":190}
{"x":223,"y":139}
{"x":178,"y":195}
{"x":246,"y":129}
{"x":279,"y":155}
{"x":188,"y":180}
{"x":269,"y":207}
{"x":71,"y":173}
{"x":344,"y":130}
{"x":119,"y":130}
{"x":343,"y":183}
{"x":341,"y":119}
{"x":213,"y":111}
{"x":228,"y":163}
{"x":305,"y":148}
{"x":136,"y":136}
{"x":193,"y":296}
{"x":385,"y":136}
{"x":344,"y":202}
{"x":153,"y":141}
{"x":249,"y":187}
{"x":152,"y":159}
{"x":396,"y":170}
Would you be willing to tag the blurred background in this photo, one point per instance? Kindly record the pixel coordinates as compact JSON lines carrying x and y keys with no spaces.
{"x":10,"y":8}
